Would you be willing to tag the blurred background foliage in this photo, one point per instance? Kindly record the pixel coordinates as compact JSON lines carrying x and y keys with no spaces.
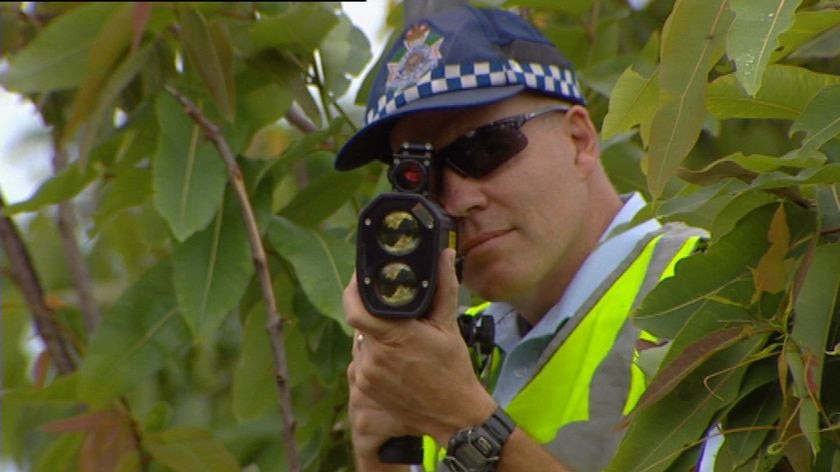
{"x":133,"y":265}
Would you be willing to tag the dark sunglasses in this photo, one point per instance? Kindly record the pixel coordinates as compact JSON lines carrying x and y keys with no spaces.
{"x":482,"y":150}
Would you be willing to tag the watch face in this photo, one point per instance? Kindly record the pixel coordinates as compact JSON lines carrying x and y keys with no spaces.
{"x":472,"y":451}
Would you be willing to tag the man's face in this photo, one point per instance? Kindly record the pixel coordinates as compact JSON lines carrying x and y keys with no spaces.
{"x":523,"y":224}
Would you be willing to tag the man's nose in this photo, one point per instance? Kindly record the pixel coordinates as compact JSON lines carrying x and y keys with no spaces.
{"x":460,"y":195}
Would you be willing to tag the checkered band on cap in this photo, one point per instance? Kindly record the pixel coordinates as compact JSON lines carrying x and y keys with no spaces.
{"x":550,"y":79}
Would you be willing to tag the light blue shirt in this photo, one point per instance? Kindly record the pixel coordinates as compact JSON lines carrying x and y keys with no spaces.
{"x":522,"y":353}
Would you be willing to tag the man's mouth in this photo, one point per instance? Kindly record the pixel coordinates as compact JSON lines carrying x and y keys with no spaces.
{"x":480,"y":239}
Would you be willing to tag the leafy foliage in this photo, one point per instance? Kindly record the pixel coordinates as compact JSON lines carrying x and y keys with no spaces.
{"x":723,"y":113}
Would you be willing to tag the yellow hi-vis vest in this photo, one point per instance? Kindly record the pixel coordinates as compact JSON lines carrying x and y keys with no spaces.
{"x":586,"y":380}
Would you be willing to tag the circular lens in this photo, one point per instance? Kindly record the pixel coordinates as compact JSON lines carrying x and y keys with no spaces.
{"x":396,"y":284}
{"x":399,"y":233}
{"x":409,"y":176}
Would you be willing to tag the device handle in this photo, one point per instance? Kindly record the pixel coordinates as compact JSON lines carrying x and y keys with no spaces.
{"x":402,"y":450}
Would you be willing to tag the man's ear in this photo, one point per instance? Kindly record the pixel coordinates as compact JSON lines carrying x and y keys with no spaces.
{"x":584,"y":137}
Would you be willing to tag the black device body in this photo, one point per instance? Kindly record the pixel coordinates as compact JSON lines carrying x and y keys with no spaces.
{"x":400,"y":237}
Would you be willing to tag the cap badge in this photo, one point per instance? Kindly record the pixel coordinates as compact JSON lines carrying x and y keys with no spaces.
{"x":420,"y":53}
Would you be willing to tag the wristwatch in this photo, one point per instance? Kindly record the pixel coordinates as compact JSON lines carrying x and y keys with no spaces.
{"x":477,"y":448}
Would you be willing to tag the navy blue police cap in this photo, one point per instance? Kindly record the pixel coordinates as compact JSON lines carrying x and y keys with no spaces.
{"x":461,"y":57}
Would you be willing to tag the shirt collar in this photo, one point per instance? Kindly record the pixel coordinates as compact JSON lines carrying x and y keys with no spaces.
{"x":616,"y":242}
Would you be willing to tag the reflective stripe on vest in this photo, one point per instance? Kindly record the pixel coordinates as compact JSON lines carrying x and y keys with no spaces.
{"x":586,"y":380}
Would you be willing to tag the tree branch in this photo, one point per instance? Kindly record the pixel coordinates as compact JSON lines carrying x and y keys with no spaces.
{"x":66,"y":222}
{"x":275,"y":322}
{"x":46,"y":320}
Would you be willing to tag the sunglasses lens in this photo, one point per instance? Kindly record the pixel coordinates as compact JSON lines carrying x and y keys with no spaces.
{"x":485,"y":150}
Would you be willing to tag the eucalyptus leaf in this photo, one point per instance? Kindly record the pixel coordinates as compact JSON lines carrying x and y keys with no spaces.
{"x":820,"y":120}
{"x":807,"y":25}
{"x":128,"y":189}
{"x":284,"y":31}
{"x":57,"y":58}
{"x":633,"y":101}
{"x":656,"y":436}
{"x":188,"y":175}
{"x":691,"y":45}
{"x":326,"y":194}
{"x":140,"y":333}
{"x":714,"y":274}
{"x":322,"y":264}
{"x":345,"y":52}
{"x":786,"y":92}
{"x":63,"y":186}
{"x":105,"y":50}
{"x":212,"y":268}
{"x":209,"y":50}
{"x":254,"y":388}
{"x":754,"y":35}
{"x":747,"y":429}
{"x":187,"y":449}
{"x":815,"y":308}
{"x":828,"y":205}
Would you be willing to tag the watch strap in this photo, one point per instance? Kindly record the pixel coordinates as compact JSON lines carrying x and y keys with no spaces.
{"x":500,"y":425}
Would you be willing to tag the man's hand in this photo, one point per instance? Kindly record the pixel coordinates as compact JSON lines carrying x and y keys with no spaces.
{"x":418,"y":370}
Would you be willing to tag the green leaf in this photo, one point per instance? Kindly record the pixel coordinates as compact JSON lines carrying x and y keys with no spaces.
{"x":187,"y":449}
{"x":815,"y":308}
{"x":754,"y":35}
{"x":785,"y":93}
{"x":138,"y":335}
{"x":657,"y":436}
{"x":739,"y":205}
{"x":62,"y":455}
{"x":101,"y":105}
{"x":820,"y":120}
{"x":687,"y":360}
{"x":807,"y":25}
{"x":345,"y":52}
{"x":209,"y":49}
{"x":65,"y":185}
{"x":129,"y":188}
{"x":320,"y":199}
{"x":691,"y":45}
{"x":254,"y":389}
{"x":747,"y":427}
{"x":57,"y":58}
{"x":797,"y":158}
{"x":828,"y":174}
{"x":105,"y":50}
{"x":322,"y":264}
{"x":715,"y":283}
{"x":633,"y":101}
{"x":284,"y":32}
{"x":188,"y":175}
{"x":828,"y":206}
{"x":212,"y":268}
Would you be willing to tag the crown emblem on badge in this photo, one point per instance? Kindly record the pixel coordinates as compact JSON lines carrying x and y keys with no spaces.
{"x":419,"y":54}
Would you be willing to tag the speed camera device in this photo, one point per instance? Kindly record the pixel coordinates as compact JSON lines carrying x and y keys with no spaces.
{"x":401,"y":235}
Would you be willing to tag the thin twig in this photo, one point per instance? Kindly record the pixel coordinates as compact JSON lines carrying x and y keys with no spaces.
{"x":275,"y":322}
{"x":66,"y":221}
{"x":296,"y":117}
{"x":46,"y":320}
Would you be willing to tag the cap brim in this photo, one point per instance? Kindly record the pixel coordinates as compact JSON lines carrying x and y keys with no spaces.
{"x":372,"y":141}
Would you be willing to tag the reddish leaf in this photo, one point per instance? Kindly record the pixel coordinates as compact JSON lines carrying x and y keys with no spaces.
{"x":771,"y":273}
{"x":142,"y":12}
{"x":109,"y":436}
{"x":42,"y":366}
{"x":689,"y":359}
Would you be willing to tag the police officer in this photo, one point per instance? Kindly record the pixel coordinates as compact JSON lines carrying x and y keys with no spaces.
{"x":544,"y":236}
